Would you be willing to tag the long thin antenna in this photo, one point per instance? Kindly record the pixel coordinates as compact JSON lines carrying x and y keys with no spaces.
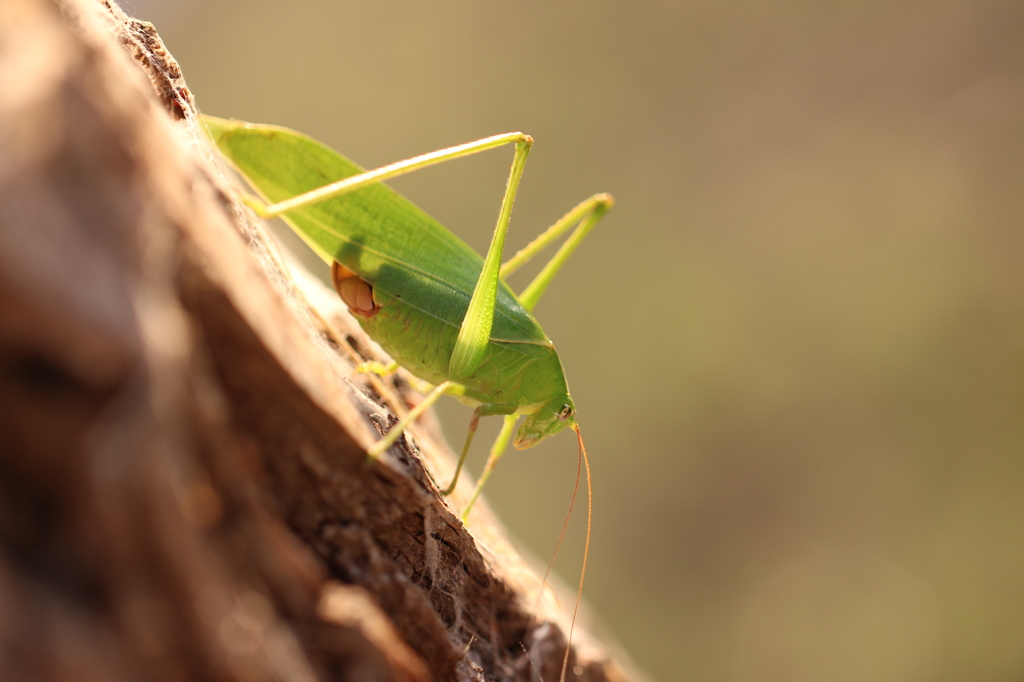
{"x":561,"y":534}
{"x":586,"y":548}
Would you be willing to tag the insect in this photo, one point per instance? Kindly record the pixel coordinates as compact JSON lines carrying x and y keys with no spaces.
{"x":438,"y":308}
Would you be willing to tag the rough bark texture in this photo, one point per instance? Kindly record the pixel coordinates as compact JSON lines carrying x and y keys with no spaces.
{"x":183,"y":494}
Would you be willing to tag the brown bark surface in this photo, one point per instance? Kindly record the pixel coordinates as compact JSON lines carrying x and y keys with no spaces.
{"x":183,"y":493}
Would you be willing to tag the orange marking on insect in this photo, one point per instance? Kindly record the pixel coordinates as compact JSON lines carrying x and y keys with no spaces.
{"x":355,"y":291}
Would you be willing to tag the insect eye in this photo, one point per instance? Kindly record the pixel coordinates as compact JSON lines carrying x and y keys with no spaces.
{"x":565,"y":412}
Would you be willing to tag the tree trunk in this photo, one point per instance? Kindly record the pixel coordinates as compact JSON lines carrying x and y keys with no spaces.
{"x":183,"y":486}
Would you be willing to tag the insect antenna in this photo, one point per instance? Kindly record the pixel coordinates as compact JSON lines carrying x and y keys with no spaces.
{"x":581,"y":462}
{"x":561,"y":533}
{"x":582,"y":459}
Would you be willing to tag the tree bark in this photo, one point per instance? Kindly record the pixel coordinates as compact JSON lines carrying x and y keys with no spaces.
{"x":183,"y":486}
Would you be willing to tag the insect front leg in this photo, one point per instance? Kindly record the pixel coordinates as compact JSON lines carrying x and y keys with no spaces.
{"x":480,"y":411}
{"x":497,"y":450}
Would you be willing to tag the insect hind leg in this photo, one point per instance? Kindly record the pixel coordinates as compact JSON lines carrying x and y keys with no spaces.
{"x":585,"y":216}
{"x":393,"y":170}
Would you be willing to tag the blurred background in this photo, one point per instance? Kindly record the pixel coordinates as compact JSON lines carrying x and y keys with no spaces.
{"x":795,"y":344}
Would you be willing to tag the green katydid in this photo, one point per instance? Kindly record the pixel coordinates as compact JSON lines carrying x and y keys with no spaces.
{"x":425,"y":296}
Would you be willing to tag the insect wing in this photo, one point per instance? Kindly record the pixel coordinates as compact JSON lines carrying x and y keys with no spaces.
{"x":374,"y":231}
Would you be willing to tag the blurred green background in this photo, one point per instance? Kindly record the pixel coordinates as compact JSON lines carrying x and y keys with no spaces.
{"x":795,"y":344}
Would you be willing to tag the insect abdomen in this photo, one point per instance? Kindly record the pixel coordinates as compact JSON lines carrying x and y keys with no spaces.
{"x":423,"y":344}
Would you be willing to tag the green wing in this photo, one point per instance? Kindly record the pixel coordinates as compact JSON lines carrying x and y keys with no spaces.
{"x":376,"y":232}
